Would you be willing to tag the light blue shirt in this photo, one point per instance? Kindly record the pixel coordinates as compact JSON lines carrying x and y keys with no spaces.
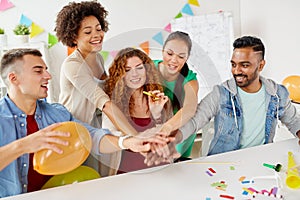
{"x":13,"y":178}
{"x":224,"y":105}
{"x":254,"y":114}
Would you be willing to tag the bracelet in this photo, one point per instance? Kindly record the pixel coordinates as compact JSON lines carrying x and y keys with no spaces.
{"x":121,"y":139}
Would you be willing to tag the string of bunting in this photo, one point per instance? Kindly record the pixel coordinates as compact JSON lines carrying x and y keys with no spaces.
{"x":5,"y":5}
{"x":159,"y":37}
{"x":52,"y":39}
{"x":35,"y":29}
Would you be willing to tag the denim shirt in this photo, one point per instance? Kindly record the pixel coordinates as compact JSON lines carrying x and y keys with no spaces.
{"x":13,"y":178}
{"x":224,"y":105}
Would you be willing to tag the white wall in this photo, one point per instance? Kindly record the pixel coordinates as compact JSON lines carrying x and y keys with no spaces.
{"x":277,"y":23}
{"x":133,"y":21}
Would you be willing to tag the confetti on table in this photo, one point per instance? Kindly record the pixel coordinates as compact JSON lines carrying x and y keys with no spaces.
{"x":219,"y":185}
{"x":248,"y":191}
{"x":247,"y":181}
{"x":209,"y":173}
{"x":242,"y":178}
{"x":226,"y":196}
{"x":265,"y":192}
{"x":212,"y":170}
{"x":252,"y":190}
{"x":245,"y":192}
{"x":256,"y":194}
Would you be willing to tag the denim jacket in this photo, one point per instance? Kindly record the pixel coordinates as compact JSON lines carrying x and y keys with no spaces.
{"x":13,"y":178}
{"x":224,"y":105}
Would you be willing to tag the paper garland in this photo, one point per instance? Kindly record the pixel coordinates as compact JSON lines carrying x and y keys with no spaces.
{"x":187,"y":10}
{"x":145,"y":47}
{"x":5,"y":4}
{"x":25,"y":20}
{"x":35,"y":30}
{"x":168,"y":28}
{"x":104,"y":55}
{"x":158,"y":38}
{"x":194,"y":2}
{"x":52,"y":40}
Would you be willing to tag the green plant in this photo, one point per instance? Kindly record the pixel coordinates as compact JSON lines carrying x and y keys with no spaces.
{"x":2,"y":31}
{"x":21,"y":29}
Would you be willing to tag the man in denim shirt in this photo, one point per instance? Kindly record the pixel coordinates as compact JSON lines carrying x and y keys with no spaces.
{"x":25,"y":120}
{"x":246,"y":108}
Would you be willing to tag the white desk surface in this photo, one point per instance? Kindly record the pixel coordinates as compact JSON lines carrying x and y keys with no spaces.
{"x":186,"y":180}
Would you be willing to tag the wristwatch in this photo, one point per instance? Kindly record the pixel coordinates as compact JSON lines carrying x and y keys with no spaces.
{"x":121,"y":139}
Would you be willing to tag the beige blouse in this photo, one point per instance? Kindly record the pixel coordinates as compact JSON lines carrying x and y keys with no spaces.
{"x":81,"y":93}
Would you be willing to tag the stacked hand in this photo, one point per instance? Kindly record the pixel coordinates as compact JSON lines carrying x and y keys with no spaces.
{"x":160,"y":152}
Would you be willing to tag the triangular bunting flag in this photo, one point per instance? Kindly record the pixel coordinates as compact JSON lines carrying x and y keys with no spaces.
{"x":104,"y":55}
{"x":158,"y":38}
{"x":194,"y":2}
{"x":52,"y":40}
{"x":145,"y":47}
{"x":5,"y":4}
{"x":168,"y":28}
{"x":113,"y":53}
{"x":187,"y":10}
{"x":26,"y":21}
{"x":35,"y":30}
{"x":178,"y":15}
{"x":71,"y":49}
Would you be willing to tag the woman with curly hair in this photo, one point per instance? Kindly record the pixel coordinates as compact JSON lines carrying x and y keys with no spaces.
{"x":131,"y":75}
{"x":82,"y":25}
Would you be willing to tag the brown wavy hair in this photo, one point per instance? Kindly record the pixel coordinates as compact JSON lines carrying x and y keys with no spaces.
{"x":115,"y":85}
{"x":69,"y":19}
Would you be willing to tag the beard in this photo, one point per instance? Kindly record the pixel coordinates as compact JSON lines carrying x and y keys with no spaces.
{"x":247,"y":80}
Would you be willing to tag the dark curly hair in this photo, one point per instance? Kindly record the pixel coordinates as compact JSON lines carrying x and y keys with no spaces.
{"x":69,"y":19}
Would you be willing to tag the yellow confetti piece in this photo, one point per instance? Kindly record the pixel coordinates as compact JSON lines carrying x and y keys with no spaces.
{"x":242,"y":178}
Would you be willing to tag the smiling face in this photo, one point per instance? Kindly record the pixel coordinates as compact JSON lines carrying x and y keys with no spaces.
{"x":90,"y":36}
{"x":245,"y":67}
{"x":175,"y":54}
{"x":135,"y":76}
{"x":32,"y":80}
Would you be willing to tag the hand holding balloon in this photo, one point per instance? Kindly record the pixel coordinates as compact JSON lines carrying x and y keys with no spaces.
{"x":49,"y":162}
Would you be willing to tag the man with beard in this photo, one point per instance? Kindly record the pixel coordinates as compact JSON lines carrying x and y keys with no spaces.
{"x":247,"y":108}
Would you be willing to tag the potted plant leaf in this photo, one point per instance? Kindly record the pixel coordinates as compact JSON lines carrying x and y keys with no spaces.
{"x":3,"y":37}
{"x":22,"y":32}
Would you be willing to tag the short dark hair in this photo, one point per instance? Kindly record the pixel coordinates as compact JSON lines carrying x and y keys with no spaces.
{"x":13,"y":55}
{"x":69,"y":19}
{"x":250,"y":41}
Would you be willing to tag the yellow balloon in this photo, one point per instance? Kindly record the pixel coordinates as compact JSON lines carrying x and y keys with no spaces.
{"x":292,"y":83}
{"x":49,"y":162}
{"x":81,"y":173}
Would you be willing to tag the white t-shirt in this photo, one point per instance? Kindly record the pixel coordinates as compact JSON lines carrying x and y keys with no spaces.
{"x":254,"y":117}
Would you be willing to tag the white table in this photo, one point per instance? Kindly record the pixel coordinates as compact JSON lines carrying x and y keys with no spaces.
{"x":187,"y":180}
